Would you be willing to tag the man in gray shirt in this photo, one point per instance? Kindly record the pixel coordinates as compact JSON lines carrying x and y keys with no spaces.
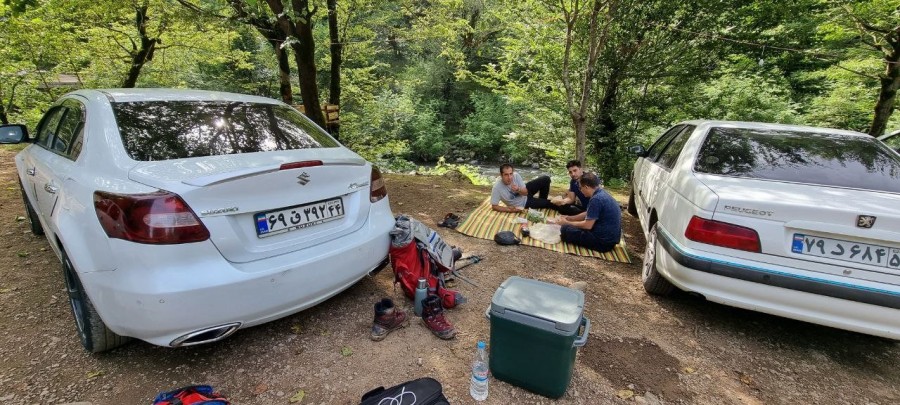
{"x":516,"y":195}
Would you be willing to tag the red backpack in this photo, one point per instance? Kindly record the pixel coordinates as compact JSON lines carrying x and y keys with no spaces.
{"x":412,"y":262}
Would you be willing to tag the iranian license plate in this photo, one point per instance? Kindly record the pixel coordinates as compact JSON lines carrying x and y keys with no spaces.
{"x":299,"y":216}
{"x":855,"y":252}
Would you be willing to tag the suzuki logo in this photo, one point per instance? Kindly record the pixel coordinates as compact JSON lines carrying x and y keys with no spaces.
{"x":865,"y":221}
{"x":303,"y":178}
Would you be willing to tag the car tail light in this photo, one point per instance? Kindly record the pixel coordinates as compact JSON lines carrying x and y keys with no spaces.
{"x":161,"y":218}
{"x":297,"y":165}
{"x":377,"y":190}
{"x":722,"y":234}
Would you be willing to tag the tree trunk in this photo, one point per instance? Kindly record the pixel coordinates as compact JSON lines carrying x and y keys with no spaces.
{"x":276,"y":38}
{"x":3,"y":118}
{"x":140,"y":57}
{"x":305,"y":56}
{"x":580,"y":123}
{"x":284,"y":67}
{"x":304,"y":52}
{"x":890,"y":82}
{"x":334,"y":85}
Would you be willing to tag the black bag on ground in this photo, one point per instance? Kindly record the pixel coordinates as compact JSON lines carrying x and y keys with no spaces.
{"x":422,"y":391}
{"x":506,"y":238}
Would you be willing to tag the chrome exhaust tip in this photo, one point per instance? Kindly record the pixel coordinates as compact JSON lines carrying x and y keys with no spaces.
{"x":207,"y":335}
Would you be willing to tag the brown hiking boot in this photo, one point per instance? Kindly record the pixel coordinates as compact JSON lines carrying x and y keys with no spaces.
{"x":433,"y":316}
{"x":387,"y":318}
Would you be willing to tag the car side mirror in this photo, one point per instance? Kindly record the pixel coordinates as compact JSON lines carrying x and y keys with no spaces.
{"x":638,"y":150}
{"x":13,"y":133}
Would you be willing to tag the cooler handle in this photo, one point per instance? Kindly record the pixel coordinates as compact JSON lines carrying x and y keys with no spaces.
{"x":584,"y":335}
{"x":487,"y":312}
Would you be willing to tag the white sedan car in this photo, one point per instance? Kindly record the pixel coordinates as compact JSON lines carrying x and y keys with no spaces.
{"x":793,"y":221}
{"x":181,"y":216}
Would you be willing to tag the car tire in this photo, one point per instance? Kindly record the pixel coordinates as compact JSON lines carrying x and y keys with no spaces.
{"x":33,"y":220}
{"x":654,"y":283}
{"x":94,"y":335}
{"x":632,"y":208}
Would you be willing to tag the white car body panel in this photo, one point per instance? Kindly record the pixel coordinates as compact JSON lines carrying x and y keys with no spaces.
{"x":853,"y":296}
{"x":158,"y":293}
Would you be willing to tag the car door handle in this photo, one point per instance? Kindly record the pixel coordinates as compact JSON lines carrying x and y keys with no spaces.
{"x":31,"y":171}
{"x":50,"y":188}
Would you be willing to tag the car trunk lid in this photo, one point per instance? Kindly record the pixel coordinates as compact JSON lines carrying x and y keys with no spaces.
{"x":814,"y":223}
{"x":259,"y":205}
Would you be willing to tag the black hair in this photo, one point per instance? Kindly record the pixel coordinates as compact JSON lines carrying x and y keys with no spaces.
{"x":504,"y":166}
{"x":589,"y":180}
{"x":573,"y":162}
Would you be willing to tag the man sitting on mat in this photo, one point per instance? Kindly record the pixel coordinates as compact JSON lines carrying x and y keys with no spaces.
{"x":600,"y":227}
{"x":517,"y":195}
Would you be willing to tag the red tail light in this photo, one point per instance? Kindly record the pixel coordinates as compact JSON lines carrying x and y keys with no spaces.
{"x":722,"y":234}
{"x":297,"y":165}
{"x":377,"y":190}
{"x":161,"y":218}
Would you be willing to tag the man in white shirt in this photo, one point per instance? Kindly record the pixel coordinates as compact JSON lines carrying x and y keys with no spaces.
{"x":516,"y":195}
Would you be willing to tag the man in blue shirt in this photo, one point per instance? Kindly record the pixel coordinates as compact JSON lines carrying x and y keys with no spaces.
{"x":575,"y":202}
{"x":600,"y":227}
{"x":516,"y":195}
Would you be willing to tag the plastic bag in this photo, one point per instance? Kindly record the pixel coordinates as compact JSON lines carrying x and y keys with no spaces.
{"x":547,"y":233}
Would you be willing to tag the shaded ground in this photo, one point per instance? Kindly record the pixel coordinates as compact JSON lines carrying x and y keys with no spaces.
{"x":679,"y":350}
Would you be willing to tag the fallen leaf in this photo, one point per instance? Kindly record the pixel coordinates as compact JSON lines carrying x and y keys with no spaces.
{"x":94,"y":374}
{"x":297,"y":397}
{"x":22,"y":254}
{"x":20,"y":219}
{"x":625,"y":394}
{"x":689,"y":370}
{"x":346,"y":351}
{"x":6,"y":290}
{"x":296,"y":329}
{"x":746,"y":379}
{"x":262,"y":387}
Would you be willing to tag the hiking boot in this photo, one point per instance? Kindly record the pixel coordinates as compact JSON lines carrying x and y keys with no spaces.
{"x":387,"y":319}
{"x":433,"y":316}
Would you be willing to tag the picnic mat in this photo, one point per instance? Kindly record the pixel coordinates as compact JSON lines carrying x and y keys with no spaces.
{"x":484,"y":222}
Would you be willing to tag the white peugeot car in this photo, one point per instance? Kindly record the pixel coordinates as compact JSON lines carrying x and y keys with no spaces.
{"x":793,"y":221}
{"x":181,"y":216}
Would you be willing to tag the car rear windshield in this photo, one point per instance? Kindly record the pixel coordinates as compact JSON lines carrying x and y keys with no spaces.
{"x":161,"y":130}
{"x":801,"y":157}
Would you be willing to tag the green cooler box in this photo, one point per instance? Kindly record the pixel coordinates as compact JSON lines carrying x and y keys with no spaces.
{"x":535,"y":334}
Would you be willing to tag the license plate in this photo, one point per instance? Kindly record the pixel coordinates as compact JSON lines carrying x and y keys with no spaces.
{"x":299,"y":216}
{"x":855,"y":252}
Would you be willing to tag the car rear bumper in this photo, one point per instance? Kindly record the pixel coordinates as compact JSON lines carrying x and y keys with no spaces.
{"x":867,"y":307}
{"x":165,"y":292}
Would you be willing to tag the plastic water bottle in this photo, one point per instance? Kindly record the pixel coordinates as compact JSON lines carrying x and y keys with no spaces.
{"x":479,"y":385}
{"x":421,"y":294}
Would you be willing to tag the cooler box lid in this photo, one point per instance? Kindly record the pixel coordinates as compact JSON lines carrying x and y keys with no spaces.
{"x":547,"y":306}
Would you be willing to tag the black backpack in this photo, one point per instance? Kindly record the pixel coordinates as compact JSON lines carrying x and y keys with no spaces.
{"x":422,"y":391}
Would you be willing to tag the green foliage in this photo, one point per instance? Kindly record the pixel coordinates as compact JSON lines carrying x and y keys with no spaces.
{"x":485,"y":129}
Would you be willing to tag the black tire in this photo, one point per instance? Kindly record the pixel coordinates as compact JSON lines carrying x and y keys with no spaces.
{"x":632,"y":208}
{"x":94,"y":335}
{"x":33,"y":219}
{"x":653,"y":282}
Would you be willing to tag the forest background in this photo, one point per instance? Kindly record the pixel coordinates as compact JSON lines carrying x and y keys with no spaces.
{"x":455,"y":81}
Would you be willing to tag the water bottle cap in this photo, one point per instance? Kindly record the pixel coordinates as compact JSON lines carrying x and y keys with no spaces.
{"x":423,"y":283}
{"x":480,"y":344}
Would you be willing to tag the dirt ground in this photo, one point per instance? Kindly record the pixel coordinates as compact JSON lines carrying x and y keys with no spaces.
{"x":641,"y":349}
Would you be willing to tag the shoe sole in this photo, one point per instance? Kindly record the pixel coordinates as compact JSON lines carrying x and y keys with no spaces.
{"x":381,"y":337}
{"x":449,"y":337}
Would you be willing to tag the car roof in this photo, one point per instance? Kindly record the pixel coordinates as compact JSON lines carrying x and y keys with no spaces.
{"x":132,"y":95}
{"x":771,"y":126}
{"x":886,"y":136}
